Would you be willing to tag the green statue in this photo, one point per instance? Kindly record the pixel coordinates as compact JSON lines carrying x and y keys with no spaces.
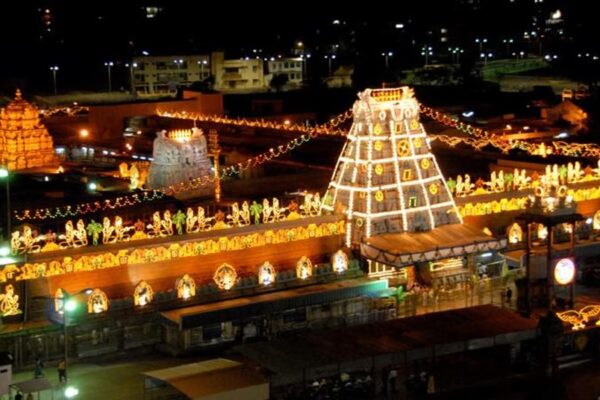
{"x":256,"y":210}
{"x":179,"y":220}
{"x":94,"y":229}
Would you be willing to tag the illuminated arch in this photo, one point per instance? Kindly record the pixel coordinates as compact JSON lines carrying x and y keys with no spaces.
{"x":542,"y":232}
{"x":186,"y":287}
{"x":515,"y":233}
{"x":596,"y":221}
{"x":304,"y":268}
{"x":266,"y":274}
{"x":143,"y":294}
{"x":225,"y":277}
{"x":339,"y":262}
{"x":59,"y":300}
{"x":97,"y":302}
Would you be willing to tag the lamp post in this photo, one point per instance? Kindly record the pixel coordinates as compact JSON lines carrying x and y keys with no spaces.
{"x":69,"y":305}
{"x":131,"y":77}
{"x":426,"y":51}
{"x":202,"y":63}
{"x":5,"y":174}
{"x":329,"y":58}
{"x":481,"y":42}
{"x":387,"y":55}
{"x":508,"y":42}
{"x":54,"y":68}
{"x":178,"y":62}
{"x":485,"y":57}
{"x":108,"y":66}
{"x":304,"y":58}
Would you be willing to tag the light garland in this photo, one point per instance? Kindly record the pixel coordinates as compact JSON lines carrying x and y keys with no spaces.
{"x":322,"y":129}
{"x":87,"y":208}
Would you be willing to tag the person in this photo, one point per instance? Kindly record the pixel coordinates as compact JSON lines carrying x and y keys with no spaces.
{"x":62,"y":371}
{"x":38,"y":372}
{"x":392,"y":378}
{"x":508,"y":295}
{"x":19,"y":396}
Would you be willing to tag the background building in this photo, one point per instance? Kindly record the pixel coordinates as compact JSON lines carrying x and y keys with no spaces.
{"x":162,"y":74}
{"x":292,"y":68}
{"x":244,"y":74}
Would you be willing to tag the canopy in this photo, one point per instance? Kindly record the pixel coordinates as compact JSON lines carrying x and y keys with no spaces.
{"x":214,"y":379}
{"x":33,"y":385}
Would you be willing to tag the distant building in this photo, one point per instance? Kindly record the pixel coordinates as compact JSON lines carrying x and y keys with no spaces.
{"x":236,"y":75}
{"x":163,"y":74}
{"x":293,"y":68}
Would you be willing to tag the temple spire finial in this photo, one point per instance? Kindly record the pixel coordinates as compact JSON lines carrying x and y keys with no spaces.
{"x":18,"y":94}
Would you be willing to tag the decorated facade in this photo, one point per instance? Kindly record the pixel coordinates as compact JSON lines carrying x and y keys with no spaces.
{"x":24,"y":140}
{"x":386,"y":179}
{"x":179,"y":156}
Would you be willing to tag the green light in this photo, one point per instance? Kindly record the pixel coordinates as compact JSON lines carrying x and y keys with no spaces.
{"x":70,"y":305}
{"x":71,"y":392}
{"x":3,"y":172}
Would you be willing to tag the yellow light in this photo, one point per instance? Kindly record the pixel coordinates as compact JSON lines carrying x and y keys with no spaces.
{"x":564,"y":271}
{"x":84,"y":133}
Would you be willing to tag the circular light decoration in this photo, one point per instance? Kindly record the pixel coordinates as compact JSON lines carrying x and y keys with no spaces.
{"x":378,"y":145}
{"x":377,"y":129}
{"x":266,"y":274}
{"x":403,"y":148}
{"x":379,"y":195}
{"x":225,"y":277}
{"x":186,"y":287}
{"x":359,"y":222}
{"x":425,"y":163}
{"x":414,"y":124}
{"x":143,"y":294}
{"x":433,"y":188}
{"x":304,"y":268}
{"x":379,"y":169}
{"x":564,"y":271}
{"x":97,"y":302}
{"x":417,"y":142}
{"x":339,"y":262}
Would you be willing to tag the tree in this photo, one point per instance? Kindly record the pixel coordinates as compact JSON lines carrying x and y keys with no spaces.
{"x":94,"y":229}
{"x":278,"y":81}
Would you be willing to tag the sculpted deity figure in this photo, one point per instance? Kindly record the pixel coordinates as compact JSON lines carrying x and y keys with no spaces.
{"x":267,"y":210}
{"x":190,"y":221}
{"x":107,"y":231}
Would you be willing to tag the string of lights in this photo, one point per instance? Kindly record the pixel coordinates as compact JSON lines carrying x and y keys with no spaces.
{"x":71,"y":111}
{"x":328,"y":128}
{"x":87,"y":208}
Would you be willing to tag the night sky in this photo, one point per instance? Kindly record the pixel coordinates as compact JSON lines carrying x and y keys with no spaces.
{"x":87,"y":33}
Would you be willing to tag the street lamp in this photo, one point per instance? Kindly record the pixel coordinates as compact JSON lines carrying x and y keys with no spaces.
{"x":68,"y":306}
{"x":5,"y":174}
{"x":329,"y":58}
{"x":71,"y":392}
{"x":456,"y":52}
{"x":178,"y":62}
{"x":485,"y":57}
{"x":426,"y":51}
{"x":202,"y":64}
{"x":508,"y":42}
{"x":108,"y":66}
{"x":54,"y":68}
{"x":131,"y":77}
{"x":304,"y":58}
{"x":481,"y":42}
{"x":387,"y":55}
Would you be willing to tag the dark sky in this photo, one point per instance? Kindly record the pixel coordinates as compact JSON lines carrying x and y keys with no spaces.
{"x":86,"y":33}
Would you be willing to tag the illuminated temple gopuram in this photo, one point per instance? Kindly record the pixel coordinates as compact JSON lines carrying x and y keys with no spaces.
{"x":24,"y":140}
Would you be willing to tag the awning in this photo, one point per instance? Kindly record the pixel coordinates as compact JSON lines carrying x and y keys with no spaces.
{"x":401,"y":249}
{"x":33,"y":385}
{"x":214,"y":379}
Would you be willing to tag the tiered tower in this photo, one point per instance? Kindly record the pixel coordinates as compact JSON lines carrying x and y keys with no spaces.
{"x":24,"y":140}
{"x":387,"y":179}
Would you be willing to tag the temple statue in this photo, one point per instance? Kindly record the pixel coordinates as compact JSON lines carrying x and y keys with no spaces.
{"x":179,"y":156}
{"x":24,"y":140}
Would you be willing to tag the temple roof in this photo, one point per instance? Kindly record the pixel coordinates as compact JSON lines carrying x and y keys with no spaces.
{"x":19,"y":108}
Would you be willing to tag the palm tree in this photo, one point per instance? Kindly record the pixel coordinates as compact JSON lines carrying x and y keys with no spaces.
{"x":94,"y":229}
